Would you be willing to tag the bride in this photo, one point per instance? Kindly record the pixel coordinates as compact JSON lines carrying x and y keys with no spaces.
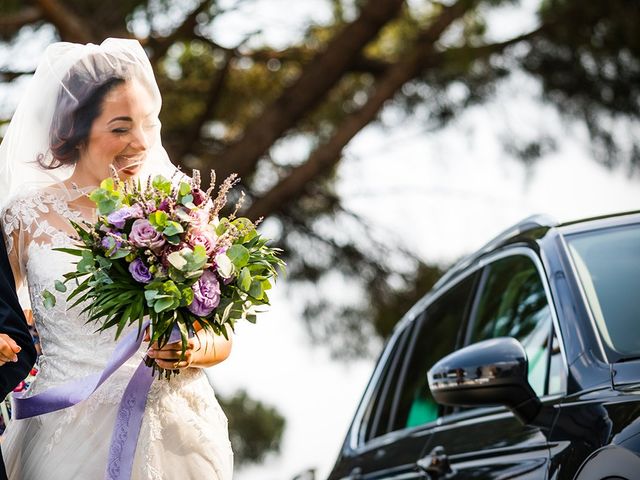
{"x":89,"y":108}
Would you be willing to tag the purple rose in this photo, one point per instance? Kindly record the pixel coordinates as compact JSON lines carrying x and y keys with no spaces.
{"x":145,"y":236}
{"x":111,"y":243}
{"x":206,"y":294}
{"x":119,"y":217}
{"x":139,"y":271}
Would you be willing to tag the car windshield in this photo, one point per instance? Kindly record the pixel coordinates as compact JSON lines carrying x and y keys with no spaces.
{"x":608,"y":264}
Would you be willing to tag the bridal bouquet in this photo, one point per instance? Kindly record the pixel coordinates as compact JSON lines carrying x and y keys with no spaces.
{"x":161,"y":250}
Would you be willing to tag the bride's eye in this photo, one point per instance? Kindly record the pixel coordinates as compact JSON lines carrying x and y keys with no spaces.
{"x":120,"y":130}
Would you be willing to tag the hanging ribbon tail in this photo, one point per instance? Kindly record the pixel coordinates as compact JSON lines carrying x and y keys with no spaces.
{"x":126,"y":431}
{"x":72,"y":393}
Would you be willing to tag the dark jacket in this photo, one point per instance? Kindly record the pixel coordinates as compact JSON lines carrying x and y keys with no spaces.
{"x":13,"y":323}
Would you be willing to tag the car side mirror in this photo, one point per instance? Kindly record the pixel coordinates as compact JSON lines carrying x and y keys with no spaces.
{"x":491,"y":372}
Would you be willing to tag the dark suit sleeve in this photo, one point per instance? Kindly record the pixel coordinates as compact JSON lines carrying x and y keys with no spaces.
{"x":14,"y":324}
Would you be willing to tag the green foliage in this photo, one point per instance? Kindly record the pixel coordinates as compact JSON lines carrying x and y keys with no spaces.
{"x":255,"y":429}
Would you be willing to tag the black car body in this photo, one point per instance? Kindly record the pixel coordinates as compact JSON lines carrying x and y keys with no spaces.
{"x":533,"y":351}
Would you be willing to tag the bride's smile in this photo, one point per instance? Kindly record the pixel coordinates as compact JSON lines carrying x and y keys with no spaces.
{"x":120,"y":136}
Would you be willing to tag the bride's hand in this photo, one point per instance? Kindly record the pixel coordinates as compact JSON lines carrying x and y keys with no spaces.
{"x":168,"y":357}
{"x":204,"y":349}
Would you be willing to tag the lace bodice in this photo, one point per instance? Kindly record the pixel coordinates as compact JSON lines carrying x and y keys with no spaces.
{"x":34,"y":225}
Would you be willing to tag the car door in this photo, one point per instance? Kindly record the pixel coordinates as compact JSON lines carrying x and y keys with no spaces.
{"x":491,"y":443}
{"x":400,"y":417}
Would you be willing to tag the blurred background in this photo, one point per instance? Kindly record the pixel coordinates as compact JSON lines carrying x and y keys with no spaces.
{"x":381,"y":140}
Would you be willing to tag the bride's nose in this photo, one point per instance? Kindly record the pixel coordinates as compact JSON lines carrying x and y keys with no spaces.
{"x":141,"y":139}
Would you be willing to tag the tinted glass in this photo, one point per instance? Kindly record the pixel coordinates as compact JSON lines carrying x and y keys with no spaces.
{"x":513,"y":303}
{"x":608,"y":265}
{"x":376,"y":418}
{"x":436,"y":336}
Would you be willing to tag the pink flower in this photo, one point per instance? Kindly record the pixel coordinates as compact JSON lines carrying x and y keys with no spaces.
{"x":143,"y":235}
{"x":205,"y":236}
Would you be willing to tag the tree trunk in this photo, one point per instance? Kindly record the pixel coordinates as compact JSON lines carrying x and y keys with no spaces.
{"x":70,"y":27}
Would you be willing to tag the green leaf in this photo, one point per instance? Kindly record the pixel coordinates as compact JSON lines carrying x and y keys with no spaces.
{"x":162,"y":184}
{"x":48,"y":299}
{"x":158,"y":219}
{"x":187,"y":201}
{"x":107,"y":184}
{"x":244,"y":280}
{"x":177,"y":259}
{"x":172,"y":228}
{"x":61,"y":287}
{"x":256,"y":290}
{"x":87,"y":264}
{"x":238,"y":255}
{"x":185,"y":188}
{"x":71,"y":251}
{"x":174,"y":239}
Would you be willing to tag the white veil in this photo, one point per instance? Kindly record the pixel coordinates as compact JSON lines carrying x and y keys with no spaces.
{"x":27,"y":143}
{"x":28,"y":137}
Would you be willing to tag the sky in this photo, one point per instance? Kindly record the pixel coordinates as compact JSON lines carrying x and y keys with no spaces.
{"x":441,"y":194}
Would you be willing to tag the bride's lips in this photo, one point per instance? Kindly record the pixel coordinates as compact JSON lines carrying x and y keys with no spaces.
{"x":129,"y":165}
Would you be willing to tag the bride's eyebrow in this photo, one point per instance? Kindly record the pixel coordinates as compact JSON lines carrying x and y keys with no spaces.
{"x":127,"y":119}
{"x":115,"y":119}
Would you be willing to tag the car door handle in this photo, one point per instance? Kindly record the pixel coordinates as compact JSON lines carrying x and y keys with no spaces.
{"x":435,"y":463}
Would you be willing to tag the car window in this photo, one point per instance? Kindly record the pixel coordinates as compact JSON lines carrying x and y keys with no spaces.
{"x":608,"y":265}
{"x":376,"y":417}
{"x":436,"y":335}
{"x":513,"y":303}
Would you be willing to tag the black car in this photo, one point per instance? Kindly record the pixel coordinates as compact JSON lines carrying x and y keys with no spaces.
{"x":532,"y":349}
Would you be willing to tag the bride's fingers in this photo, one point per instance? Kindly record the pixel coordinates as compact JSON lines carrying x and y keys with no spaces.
{"x":171,"y":365}
{"x":170,"y":355}
{"x":174,"y":346}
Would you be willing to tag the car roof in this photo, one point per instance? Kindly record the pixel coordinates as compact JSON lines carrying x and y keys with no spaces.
{"x":533,"y":227}
{"x":538,"y":226}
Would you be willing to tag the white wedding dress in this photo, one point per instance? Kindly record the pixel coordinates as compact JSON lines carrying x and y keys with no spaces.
{"x":184,"y":431}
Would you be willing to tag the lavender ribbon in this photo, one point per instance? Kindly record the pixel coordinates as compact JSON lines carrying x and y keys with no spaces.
{"x":126,"y":430}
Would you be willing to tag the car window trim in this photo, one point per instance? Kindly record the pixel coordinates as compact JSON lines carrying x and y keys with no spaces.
{"x":386,"y":381}
{"x":411,"y":344}
{"x":356,"y":434}
{"x":527,"y":252}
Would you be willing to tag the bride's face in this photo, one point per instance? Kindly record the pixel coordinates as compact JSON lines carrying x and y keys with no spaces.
{"x":122,"y":134}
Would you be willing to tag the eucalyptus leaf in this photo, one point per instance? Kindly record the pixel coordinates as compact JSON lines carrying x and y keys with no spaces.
{"x":238,"y":255}
{"x":48,"y":299}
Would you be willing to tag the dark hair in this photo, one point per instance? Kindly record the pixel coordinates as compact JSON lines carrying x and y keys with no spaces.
{"x":79,"y":103}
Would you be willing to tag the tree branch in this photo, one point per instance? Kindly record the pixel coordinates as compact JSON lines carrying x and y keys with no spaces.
{"x":319,"y":76}
{"x":70,"y":27}
{"x":10,"y":75}
{"x":11,"y":23}
{"x":213,"y":96}
{"x":160,"y":45}
{"x":328,"y":155}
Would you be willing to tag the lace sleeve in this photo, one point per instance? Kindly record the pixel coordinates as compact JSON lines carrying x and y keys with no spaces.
{"x":40,"y":217}
{"x":14,"y":236}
